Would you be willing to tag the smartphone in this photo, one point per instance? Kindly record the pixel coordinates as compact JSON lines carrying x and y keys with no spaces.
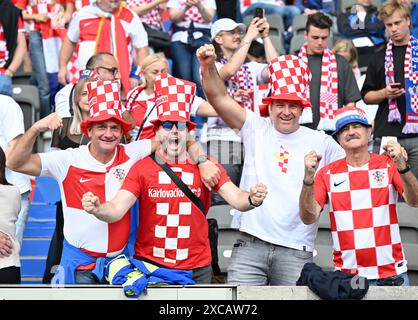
{"x":396,"y":85}
{"x":259,"y":13}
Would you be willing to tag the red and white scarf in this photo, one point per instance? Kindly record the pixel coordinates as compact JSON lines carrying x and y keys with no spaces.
{"x":411,"y":86}
{"x":242,"y":79}
{"x":328,"y":96}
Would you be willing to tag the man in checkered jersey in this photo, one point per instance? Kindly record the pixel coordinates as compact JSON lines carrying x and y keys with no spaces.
{"x":362,"y":190}
{"x":101,"y":167}
{"x":173,"y":232}
{"x":274,"y":244}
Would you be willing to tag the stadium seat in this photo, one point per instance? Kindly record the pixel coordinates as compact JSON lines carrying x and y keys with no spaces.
{"x":21,"y":76}
{"x":296,"y":43}
{"x":278,"y":43}
{"x":226,"y":240}
{"x":299,"y":24}
{"x":276,"y":24}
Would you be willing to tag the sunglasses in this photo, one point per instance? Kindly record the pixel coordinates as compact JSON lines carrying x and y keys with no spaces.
{"x":113,"y":70}
{"x":168,"y":125}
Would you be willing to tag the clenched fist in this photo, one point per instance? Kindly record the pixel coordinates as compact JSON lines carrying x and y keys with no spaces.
{"x":90,"y":203}
{"x":258,"y":193}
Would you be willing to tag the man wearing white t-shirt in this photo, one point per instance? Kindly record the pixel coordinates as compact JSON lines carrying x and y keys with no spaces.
{"x":362,"y":190}
{"x":274,"y":244}
{"x":11,"y":127}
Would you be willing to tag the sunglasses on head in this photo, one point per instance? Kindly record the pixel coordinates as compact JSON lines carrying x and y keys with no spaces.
{"x":168,"y":125}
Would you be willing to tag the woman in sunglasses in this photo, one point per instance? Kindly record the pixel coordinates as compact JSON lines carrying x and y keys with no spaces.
{"x":141,"y":100}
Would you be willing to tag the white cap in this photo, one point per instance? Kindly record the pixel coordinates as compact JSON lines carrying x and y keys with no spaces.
{"x":225,"y":24}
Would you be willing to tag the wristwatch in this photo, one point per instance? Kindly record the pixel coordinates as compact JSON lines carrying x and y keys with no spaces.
{"x":407,"y":168}
{"x":201,"y":159}
{"x":252,"y":204}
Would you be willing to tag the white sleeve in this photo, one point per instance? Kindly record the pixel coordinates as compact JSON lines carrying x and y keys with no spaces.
{"x":137,"y":33}
{"x":210,"y":4}
{"x":195,"y":105}
{"x":62,"y":102}
{"x":173,"y":4}
{"x":257,"y":69}
{"x":73,"y":32}
{"x":55,"y":164}
{"x":13,"y":119}
{"x":138,"y":149}
{"x":333,"y":151}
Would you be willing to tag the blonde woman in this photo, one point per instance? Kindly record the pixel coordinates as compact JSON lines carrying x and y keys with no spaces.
{"x":346,"y":48}
{"x":140,"y":101}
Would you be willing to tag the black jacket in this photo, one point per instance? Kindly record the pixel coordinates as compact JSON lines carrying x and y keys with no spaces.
{"x":9,"y":17}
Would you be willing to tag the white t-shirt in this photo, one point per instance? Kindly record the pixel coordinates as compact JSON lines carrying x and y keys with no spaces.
{"x":86,"y":22}
{"x":62,"y":101}
{"x":77,"y":172}
{"x":11,"y":126}
{"x":277,"y":160}
{"x":219,"y":130}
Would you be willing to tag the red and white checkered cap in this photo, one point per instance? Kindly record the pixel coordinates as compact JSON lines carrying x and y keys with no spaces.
{"x":173,"y":99}
{"x":289,"y":80}
{"x":104,"y":103}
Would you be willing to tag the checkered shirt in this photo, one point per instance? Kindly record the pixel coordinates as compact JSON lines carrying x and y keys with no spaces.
{"x":364,"y":223}
{"x":174,"y":97}
{"x":104,"y":98}
{"x":193,"y":13}
{"x":4,"y":53}
{"x":152,"y":17}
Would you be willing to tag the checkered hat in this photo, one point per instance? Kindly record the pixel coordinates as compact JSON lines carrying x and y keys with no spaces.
{"x":173,"y":99}
{"x":349,"y":115}
{"x":104,"y":104}
{"x":289,"y":80}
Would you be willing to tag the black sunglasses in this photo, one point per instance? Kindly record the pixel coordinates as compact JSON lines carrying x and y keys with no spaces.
{"x":113,"y":70}
{"x":168,"y":125}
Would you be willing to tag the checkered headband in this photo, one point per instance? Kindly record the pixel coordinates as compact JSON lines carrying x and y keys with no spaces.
{"x":289,"y":80}
{"x":173,"y":98}
{"x":104,"y":104}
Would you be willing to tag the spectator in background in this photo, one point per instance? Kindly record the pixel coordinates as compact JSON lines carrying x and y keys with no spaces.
{"x":256,"y":52}
{"x":360,"y":24}
{"x":149,"y":12}
{"x":333,"y":84}
{"x":46,"y":25}
{"x":94,"y":26}
{"x":241,"y":78}
{"x":346,"y":49}
{"x":398,"y":63}
{"x":362,"y":190}
{"x":279,"y":7}
{"x":141,"y":100}
{"x":9,"y":246}
{"x":274,"y":244}
{"x":191,"y":20}
{"x":11,"y":128}
{"x":12,"y":44}
{"x":308,"y":7}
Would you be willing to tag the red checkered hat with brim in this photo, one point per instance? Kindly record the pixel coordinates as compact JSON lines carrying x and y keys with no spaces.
{"x":104,"y":104}
{"x":173,"y":99}
{"x":289,"y":80}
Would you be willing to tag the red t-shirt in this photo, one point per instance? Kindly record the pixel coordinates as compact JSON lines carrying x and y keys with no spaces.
{"x":172,"y":231}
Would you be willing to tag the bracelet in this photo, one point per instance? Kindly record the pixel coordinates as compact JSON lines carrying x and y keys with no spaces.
{"x":407,"y":169}
{"x":244,"y":42}
{"x":308,"y":184}
{"x":252,"y":204}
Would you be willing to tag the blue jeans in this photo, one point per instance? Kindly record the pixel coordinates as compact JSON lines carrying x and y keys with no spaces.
{"x":392,"y":281}
{"x":287,"y":12}
{"x":185,"y":63}
{"x":23,"y":216}
{"x":37,"y":57}
{"x":255,"y":262}
{"x":5,"y":85}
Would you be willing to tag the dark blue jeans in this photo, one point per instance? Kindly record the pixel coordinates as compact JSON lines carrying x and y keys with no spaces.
{"x":185,"y":63}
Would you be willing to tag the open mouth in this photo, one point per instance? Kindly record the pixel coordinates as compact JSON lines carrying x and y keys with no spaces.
{"x":173,"y":141}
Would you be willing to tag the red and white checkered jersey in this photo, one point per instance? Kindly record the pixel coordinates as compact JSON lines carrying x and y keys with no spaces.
{"x":152,"y":17}
{"x":38,"y":6}
{"x":4,"y":52}
{"x":364,"y":222}
{"x":78,"y":172}
{"x":172,"y":232}
{"x":78,"y":4}
{"x":191,"y":14}
{"x":84,"y":26}
{"x":142,"y":105}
